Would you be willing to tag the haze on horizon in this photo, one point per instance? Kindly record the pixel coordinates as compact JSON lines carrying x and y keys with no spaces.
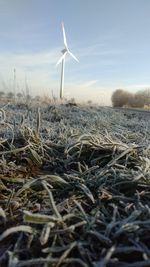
{"x":111,"y":39}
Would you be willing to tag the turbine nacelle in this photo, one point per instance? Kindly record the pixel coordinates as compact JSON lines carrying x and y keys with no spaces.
{"x":64,"y":50}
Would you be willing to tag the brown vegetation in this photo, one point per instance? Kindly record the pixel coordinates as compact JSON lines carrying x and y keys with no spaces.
{"x":121,"y":98}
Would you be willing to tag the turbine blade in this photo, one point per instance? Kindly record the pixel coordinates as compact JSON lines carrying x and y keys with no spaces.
{"x":72,"y":55}
{"x":64,"y":36}
{"x":61,"y":59}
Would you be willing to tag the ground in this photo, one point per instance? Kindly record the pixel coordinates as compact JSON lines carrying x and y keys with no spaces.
{"x":74,"y":186}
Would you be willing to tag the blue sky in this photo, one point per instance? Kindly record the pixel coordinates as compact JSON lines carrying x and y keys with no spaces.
{"x":111,"y":39}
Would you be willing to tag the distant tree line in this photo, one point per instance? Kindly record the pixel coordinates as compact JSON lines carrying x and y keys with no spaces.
{"x":23,"y":98}
{"x":11,"y":96}
{"x":121,"y":98}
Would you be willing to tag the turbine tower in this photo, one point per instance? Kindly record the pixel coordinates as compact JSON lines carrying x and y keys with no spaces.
{"x":65,"y":51}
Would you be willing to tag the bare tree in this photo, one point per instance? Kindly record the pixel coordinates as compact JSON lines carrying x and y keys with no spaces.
{"x":2,"y":94}
{"x":137,"y":100}
{"x":89,"y":102}
{"x":28,"y":99}
{"x":19,"y":95}
{"x":37,"y":98}
{"x":10,"y":95}
{"x":120,"y":98}
{"x":146,"y":95}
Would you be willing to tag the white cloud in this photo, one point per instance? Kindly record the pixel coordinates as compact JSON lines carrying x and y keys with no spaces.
{"x":88,"y":83}
{"x":98,"y":49}
{"x":24,"y":60}
{"x":137,"y":87}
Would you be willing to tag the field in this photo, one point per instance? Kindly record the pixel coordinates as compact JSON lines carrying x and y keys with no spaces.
{"x":74,"y":186}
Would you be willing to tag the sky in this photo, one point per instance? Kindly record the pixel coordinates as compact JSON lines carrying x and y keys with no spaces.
{"x":111,"y":39}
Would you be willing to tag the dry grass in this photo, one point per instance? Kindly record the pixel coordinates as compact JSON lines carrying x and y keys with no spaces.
{"x":74,"y":187}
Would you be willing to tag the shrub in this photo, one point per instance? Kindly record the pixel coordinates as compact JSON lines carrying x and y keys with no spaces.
{"x":146,"y":95}
{"x":120,"y":98}
{"x":137,"y":100}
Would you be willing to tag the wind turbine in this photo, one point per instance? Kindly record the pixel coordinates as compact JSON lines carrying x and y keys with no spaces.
{"x":65,"y":51}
